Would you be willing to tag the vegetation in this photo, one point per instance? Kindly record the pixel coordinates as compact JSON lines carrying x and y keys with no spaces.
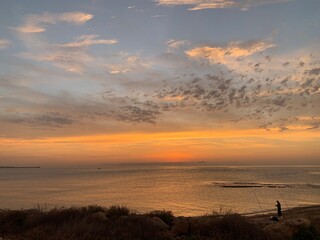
{"x":306,"y":234}
{"x":120,"y":223}
{"x":166,"y":216}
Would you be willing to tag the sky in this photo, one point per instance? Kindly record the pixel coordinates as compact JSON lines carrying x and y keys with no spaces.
{"x":91,"y":82}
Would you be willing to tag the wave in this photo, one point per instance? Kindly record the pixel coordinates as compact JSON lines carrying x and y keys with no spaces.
{"x":230,"y":184}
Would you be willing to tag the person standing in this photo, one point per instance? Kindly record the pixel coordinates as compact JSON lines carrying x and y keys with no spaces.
{"x":278,"y":205}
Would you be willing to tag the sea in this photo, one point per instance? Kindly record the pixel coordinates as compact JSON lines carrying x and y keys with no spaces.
{"x":186,"y":190}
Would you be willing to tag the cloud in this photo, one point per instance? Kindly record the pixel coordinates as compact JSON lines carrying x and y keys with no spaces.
{"x":314,"y":71}
{"x":88,"y":40}
{"x":124,"y":62}
{"x":71,"y":56}
{"x":201,"y":4}
{"x":222,"y":4}
{"x":176,"y":44}
{"x":171,"y":90}
{"x":260,"y":90}
{"x":50,"y":119}
{"x":233,"y":50}
{"x":4,"y":43}
{"x":213,"y":4}
{"x":210,"y":96}
{"x":38,"y":23}
{"x":138,"y":114}
{"x":30,"y":29}
{"x":75,"y":17}
{"x":158,"y":16}
{"x":116,"y":69}
{"x":70,"y":61}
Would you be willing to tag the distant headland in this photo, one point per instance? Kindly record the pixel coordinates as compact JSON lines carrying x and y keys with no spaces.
{"x":19,"y":167}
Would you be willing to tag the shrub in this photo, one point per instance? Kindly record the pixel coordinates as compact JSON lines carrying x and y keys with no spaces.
{"x":235,"y":226}
{"x":228,"y":227}
{"x":304,"y":234}
{"x":13,"y":220}
{"x":136,"y":227}
{"x":117,"y":211}
{"x":119,"y":223}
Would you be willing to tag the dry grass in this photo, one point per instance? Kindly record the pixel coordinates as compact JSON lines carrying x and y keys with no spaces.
{"x":118,"y":222}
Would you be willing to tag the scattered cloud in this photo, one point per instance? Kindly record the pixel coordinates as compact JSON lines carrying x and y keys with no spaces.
{"x":116,"y":69}
{"x":176,"y":44}
{"x":73,"y":61}
{"x":138,"y":114}
{"x":233,"y":50}
{"x":158,"y":16}
{"x":50,"y":119}
{"x":88,"y":40}
{"x":71,"y":56}
{"x":29,"y":28}
{"x":275,"y":99}
{"x":125,"y":62}
{"x":4,"y":43}
{"x":75,"y":17}
{"x":244,"y":5}
{"x":314,"y":71}
{"x":38,"y":23}
{"x":210,"y":5}
{"x":212,"y":84}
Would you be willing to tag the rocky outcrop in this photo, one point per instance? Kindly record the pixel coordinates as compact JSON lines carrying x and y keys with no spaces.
{"x":156,"y":221}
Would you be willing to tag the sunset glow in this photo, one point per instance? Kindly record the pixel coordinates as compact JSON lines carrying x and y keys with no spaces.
{"x":98,"y":82}
{"x":250,"y":146}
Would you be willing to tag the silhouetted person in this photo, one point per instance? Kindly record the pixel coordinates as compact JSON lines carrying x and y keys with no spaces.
{"x":278,"y":205}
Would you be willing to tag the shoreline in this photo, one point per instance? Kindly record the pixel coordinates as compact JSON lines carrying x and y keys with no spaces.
{"x":302,"y":211}
{"x":284,"y":210}
{"x":298,"y":208}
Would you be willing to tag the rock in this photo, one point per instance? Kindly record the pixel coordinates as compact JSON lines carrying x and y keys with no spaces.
{"x":287,"y":229}
{"x":180,"y":227}
{"x":156,"y":221}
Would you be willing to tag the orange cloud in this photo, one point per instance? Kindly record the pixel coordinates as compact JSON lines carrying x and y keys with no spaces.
{"x":229,"y":53}
{"x":38,"y":23}
{"x":88,"y":40}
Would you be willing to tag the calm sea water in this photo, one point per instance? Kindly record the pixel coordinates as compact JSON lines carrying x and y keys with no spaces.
{"x":186,"y":190}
